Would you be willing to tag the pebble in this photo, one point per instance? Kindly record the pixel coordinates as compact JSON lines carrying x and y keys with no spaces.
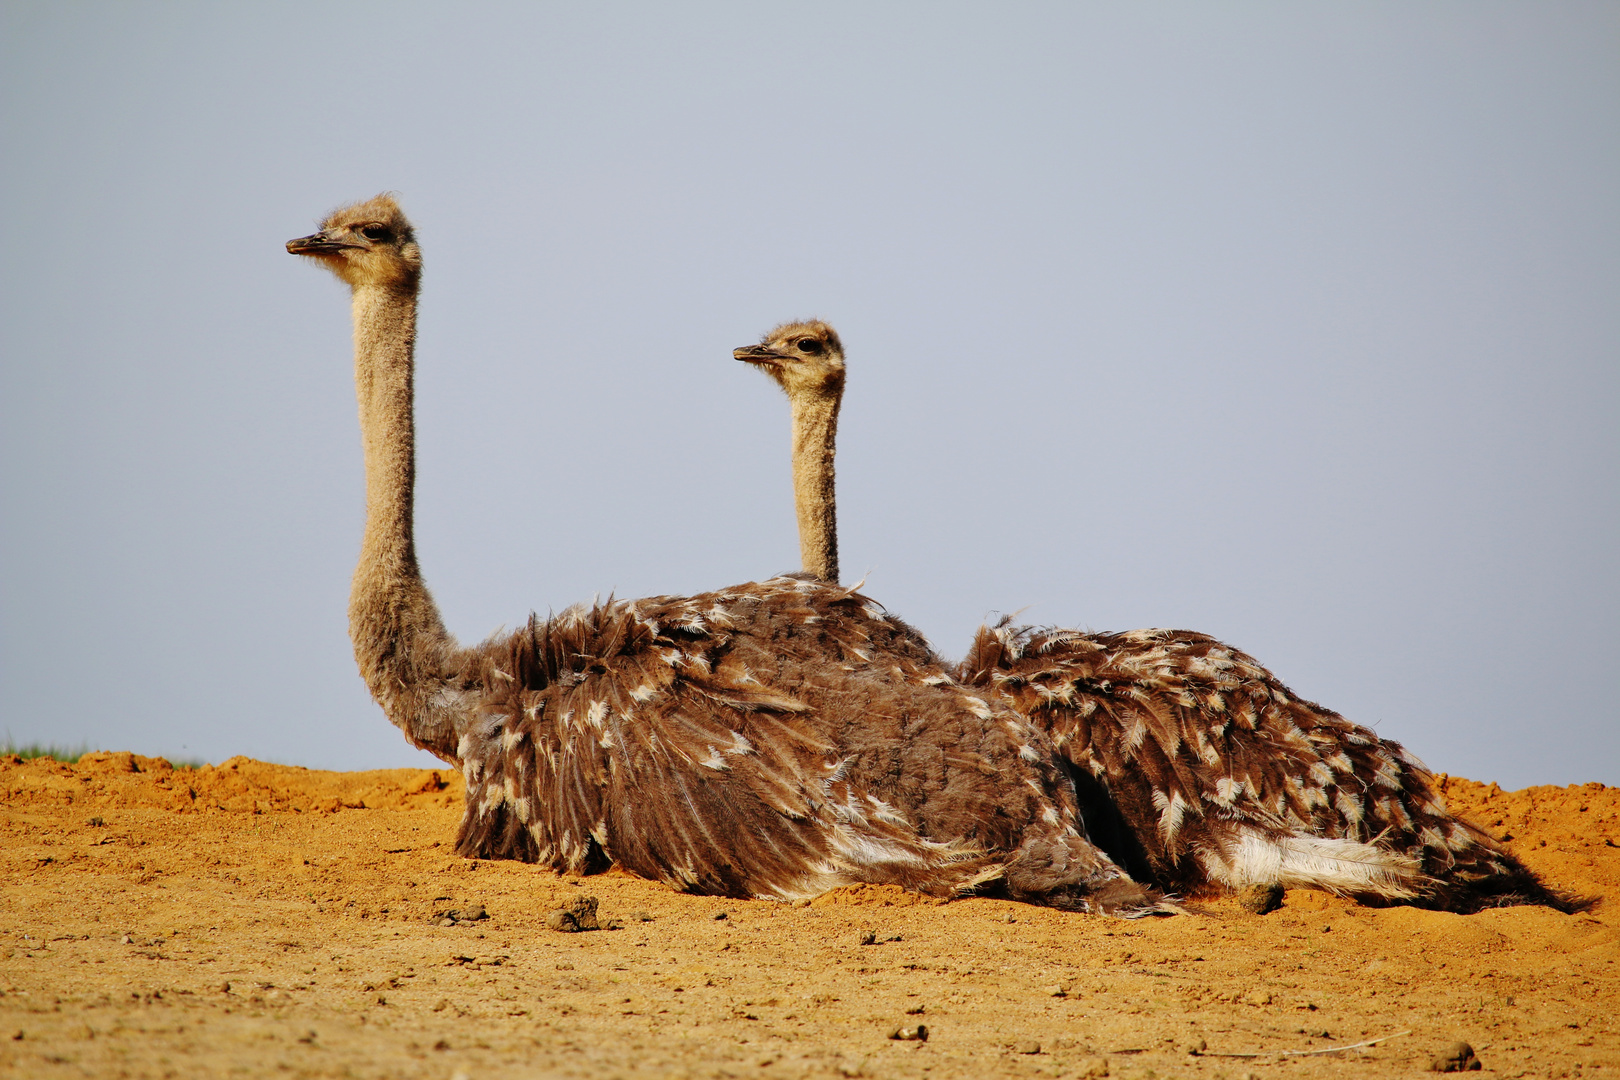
{"x":1093,"y":1068}
{"x":721,"y":915}
{"x":576,"y":917}
{"x":916,"y":1010}
{"x":1056,"y":990}
{"x":1028,"y":1048}
{"x":1261,"y":899}
{"x":1458,"y":1057}
{"x":461,"y":915}
{"x":910,"y":1034}
{"x":868,"y":937}
{"x":1196,"y":1047}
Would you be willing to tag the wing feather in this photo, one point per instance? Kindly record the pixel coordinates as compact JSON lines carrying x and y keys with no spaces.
{"x":1203,"y":753}
{"x":774,"y":739}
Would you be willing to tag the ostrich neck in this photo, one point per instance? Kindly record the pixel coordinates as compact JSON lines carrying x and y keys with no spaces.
{"x":815,"y":429}
{"x":405,"y":654}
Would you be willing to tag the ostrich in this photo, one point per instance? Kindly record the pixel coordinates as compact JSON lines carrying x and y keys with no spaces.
{"x":1197,"y":769}
{"x":773,"y":739}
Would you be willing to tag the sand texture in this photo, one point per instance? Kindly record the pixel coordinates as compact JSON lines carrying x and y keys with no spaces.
{"x":258,"y":920}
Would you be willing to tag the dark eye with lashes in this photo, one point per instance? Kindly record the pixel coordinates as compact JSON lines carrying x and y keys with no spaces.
{"x":811,"y":346}
{"x":374,"y":232}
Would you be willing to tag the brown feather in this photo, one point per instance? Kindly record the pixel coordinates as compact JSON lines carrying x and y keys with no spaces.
{"x":629,"y":735}
{"x":1173,"y":718}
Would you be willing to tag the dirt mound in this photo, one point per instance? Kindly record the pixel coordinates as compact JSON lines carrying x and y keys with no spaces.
{"x":873,"y":896}
{"x":256,"y":919}
{"x":120,"y":778}
{"x":1568,"y":835}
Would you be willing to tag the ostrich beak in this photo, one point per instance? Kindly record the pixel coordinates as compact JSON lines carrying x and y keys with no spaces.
{"x":316,"y":244}
{"x":758,"y":354}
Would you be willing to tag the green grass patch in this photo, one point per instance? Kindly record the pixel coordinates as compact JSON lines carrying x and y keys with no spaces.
{"x":66,"y":754}
{"x":70,"y":755}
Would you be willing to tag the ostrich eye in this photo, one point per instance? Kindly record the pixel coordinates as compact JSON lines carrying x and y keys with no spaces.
{"x":375,"y":232}
{"x":811,"y":346}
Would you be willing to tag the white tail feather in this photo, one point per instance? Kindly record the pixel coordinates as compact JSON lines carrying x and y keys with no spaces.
{"x":1347,"y":867}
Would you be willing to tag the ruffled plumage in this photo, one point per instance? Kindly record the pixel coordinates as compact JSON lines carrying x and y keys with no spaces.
{"x":772,"y":740}
{"x":1198,"y":769}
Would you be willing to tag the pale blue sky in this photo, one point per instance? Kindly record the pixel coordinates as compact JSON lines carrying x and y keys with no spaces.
{"x":1294,"y":324}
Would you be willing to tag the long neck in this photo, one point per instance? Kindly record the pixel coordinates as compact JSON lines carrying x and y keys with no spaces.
{"x":815,"y":430}
{"x":405,"y":654}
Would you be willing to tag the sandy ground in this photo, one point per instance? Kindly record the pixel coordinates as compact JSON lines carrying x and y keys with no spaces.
{"x":260,"y":920}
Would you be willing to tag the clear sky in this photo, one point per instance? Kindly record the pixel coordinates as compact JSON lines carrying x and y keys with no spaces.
{"x":1297,"y":324}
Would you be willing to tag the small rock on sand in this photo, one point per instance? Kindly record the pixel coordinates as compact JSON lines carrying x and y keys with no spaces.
{"x":460,"y":915}
{"x":1458,"y":1057}
{"x":910,"y":1034}
{"x":1261,"y":899}
{"x":1093,"y":1069}
{"x":577,"y":916}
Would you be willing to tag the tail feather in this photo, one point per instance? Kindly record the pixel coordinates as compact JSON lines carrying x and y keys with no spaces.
{"x":1246,"y":856}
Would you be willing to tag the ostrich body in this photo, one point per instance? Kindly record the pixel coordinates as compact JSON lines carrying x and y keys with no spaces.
{"x":773,"y":739}
{"x":1197,"y":769}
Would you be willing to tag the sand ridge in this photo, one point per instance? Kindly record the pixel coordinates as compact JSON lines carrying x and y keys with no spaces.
{"x":255,"y":919}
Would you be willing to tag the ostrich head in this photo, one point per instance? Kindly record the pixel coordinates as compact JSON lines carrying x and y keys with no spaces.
{"x":805,"y":358}
{"x":369,"y":243}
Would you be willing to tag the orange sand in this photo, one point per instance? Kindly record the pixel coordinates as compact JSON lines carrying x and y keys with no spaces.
{"x":259,"y":920}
